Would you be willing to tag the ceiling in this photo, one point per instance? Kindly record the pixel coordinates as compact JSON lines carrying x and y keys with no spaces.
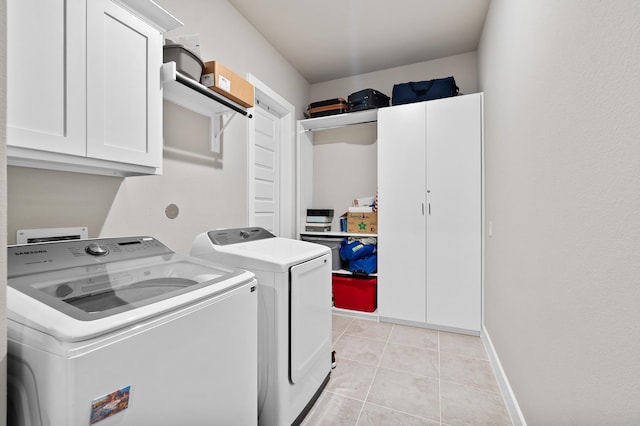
{"x":330,"y":39}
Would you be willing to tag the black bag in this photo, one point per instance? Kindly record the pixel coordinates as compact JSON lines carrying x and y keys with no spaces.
{"x":327,"y":107}
{"x":406,"y":93}
{"x":367,"y":99}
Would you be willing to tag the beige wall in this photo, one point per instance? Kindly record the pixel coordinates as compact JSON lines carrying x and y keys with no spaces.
{"x":562,"y":145}
{"x":463,"y":67}
{"x":345,"y":159}
{"x":209,"y":194}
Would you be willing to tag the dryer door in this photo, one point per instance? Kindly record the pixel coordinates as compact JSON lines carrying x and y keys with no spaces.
{"x":309,"y":316}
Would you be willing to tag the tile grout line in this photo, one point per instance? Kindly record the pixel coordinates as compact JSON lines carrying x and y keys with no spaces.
{"x":386,"y":343}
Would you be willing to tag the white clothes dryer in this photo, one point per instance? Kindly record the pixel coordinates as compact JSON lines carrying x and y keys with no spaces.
{"x":125,"y":331}
{"x":294,"y":315}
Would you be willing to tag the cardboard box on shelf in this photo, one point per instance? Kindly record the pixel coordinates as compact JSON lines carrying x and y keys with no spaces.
{"x":222,"y":80}
{"x":362,"y":222}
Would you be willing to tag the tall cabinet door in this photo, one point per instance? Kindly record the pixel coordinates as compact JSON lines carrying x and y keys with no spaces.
{"x":46,"y":75}
{"x":401,"y":212}
{"x":454,"y":212}
{"x":124,"y":96}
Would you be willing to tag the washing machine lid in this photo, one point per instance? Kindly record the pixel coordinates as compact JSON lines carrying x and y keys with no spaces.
{"x":58,"y":286}
{"x":255,"y":249}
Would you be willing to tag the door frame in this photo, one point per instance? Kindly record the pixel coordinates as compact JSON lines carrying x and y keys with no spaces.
{"x":266,"y":96}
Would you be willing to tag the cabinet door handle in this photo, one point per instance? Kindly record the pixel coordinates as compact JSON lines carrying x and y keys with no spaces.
{"x":429,"y":206}
{"x":422,"y":209}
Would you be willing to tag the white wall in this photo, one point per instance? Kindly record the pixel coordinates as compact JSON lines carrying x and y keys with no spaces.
{"x":3,"y":214}
{"x":562,"y":145}
{"x":345,"y":159}
{"x":209,"y":193}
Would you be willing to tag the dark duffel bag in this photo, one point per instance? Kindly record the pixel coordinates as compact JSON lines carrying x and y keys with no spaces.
{"x":367,"y":99}
{"x":417,"y":91}
{"x":327,"y":107}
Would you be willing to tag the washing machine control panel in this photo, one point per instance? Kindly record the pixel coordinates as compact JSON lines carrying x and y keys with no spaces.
{"x":95,"y":249}
{"x":43,"y":257}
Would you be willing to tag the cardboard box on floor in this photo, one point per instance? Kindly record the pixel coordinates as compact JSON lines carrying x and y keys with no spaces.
{"x":222,"y":80}
{"x":362,"y":223}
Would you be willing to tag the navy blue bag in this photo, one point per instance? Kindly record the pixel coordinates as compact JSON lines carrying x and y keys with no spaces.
{"x":364,"y":265}
{"x":406,"y":93}
{"x":355,"y":250}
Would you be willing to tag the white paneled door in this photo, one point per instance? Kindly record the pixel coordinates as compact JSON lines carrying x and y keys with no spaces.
{"x":266,"y":165}
{"x":270,"y":161}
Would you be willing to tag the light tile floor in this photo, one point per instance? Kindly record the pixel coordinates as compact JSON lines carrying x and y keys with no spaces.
{"x":389,"y":374}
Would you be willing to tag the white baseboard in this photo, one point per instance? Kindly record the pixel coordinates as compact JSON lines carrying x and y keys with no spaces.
{"x":507,"y":393}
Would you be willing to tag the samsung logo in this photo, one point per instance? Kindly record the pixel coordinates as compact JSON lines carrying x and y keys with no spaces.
{"x":21,"y":253}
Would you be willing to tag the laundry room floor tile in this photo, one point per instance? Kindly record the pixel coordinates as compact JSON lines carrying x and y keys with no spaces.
{"x":462,"y":344}
{"x":468,"y":371}
{"x":369,"y":328}
{"x":352,"y":379}
{"x":360,"y":349}
{"x":334,"y":410}
{"x":405,"y":392}
{"x":464,"y":405}
{"x":375,"y":415}
{"x":408,"y":359}
{"x":340,"y":323}
{"x":389,"y":374}
{"x":414,"y":336}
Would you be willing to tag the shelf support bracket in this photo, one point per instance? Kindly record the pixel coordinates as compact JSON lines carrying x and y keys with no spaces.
{"x":218,"y":125}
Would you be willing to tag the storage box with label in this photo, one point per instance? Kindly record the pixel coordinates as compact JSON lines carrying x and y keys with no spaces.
{"x":355,"y":293}
{"x":222,"y":80}
{"x":362,"y":222}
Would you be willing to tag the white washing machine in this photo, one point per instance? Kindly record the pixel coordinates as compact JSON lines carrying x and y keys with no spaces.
{"x":294,"y":315}
{"x":123,"y":331}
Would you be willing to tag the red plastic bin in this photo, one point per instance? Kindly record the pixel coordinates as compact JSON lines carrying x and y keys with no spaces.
{"x":355,"y":293}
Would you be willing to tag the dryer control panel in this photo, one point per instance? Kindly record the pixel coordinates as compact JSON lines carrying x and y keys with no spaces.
{"x":223,"y":237}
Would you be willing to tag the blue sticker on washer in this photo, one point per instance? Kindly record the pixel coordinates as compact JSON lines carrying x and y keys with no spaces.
{"x":110,"y":404}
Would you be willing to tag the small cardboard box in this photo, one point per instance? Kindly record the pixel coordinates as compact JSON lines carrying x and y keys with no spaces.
{"x":222,"y":80}
{"x":362,"y":223}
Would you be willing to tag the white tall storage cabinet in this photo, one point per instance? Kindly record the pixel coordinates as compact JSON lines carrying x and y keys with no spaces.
{"x":430,"y":213}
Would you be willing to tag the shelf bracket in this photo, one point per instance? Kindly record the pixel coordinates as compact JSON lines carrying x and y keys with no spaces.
{"x":218,"y":125}
{"x":190,"y":94}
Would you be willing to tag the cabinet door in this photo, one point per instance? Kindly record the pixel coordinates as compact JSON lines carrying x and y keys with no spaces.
{"x":46,"y":75}
{"x":454,"y":212}
{"x":401,"y":209}
{"x":124,"y":97}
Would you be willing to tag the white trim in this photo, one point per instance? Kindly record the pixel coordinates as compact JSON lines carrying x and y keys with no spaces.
{"x":287,"y":155}
{"x":503,"y":382}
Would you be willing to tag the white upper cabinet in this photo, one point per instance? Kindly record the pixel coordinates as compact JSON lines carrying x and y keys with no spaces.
{"x":84,"y":90}
{"x":46,"y":75}
{"x":124,"y":97}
